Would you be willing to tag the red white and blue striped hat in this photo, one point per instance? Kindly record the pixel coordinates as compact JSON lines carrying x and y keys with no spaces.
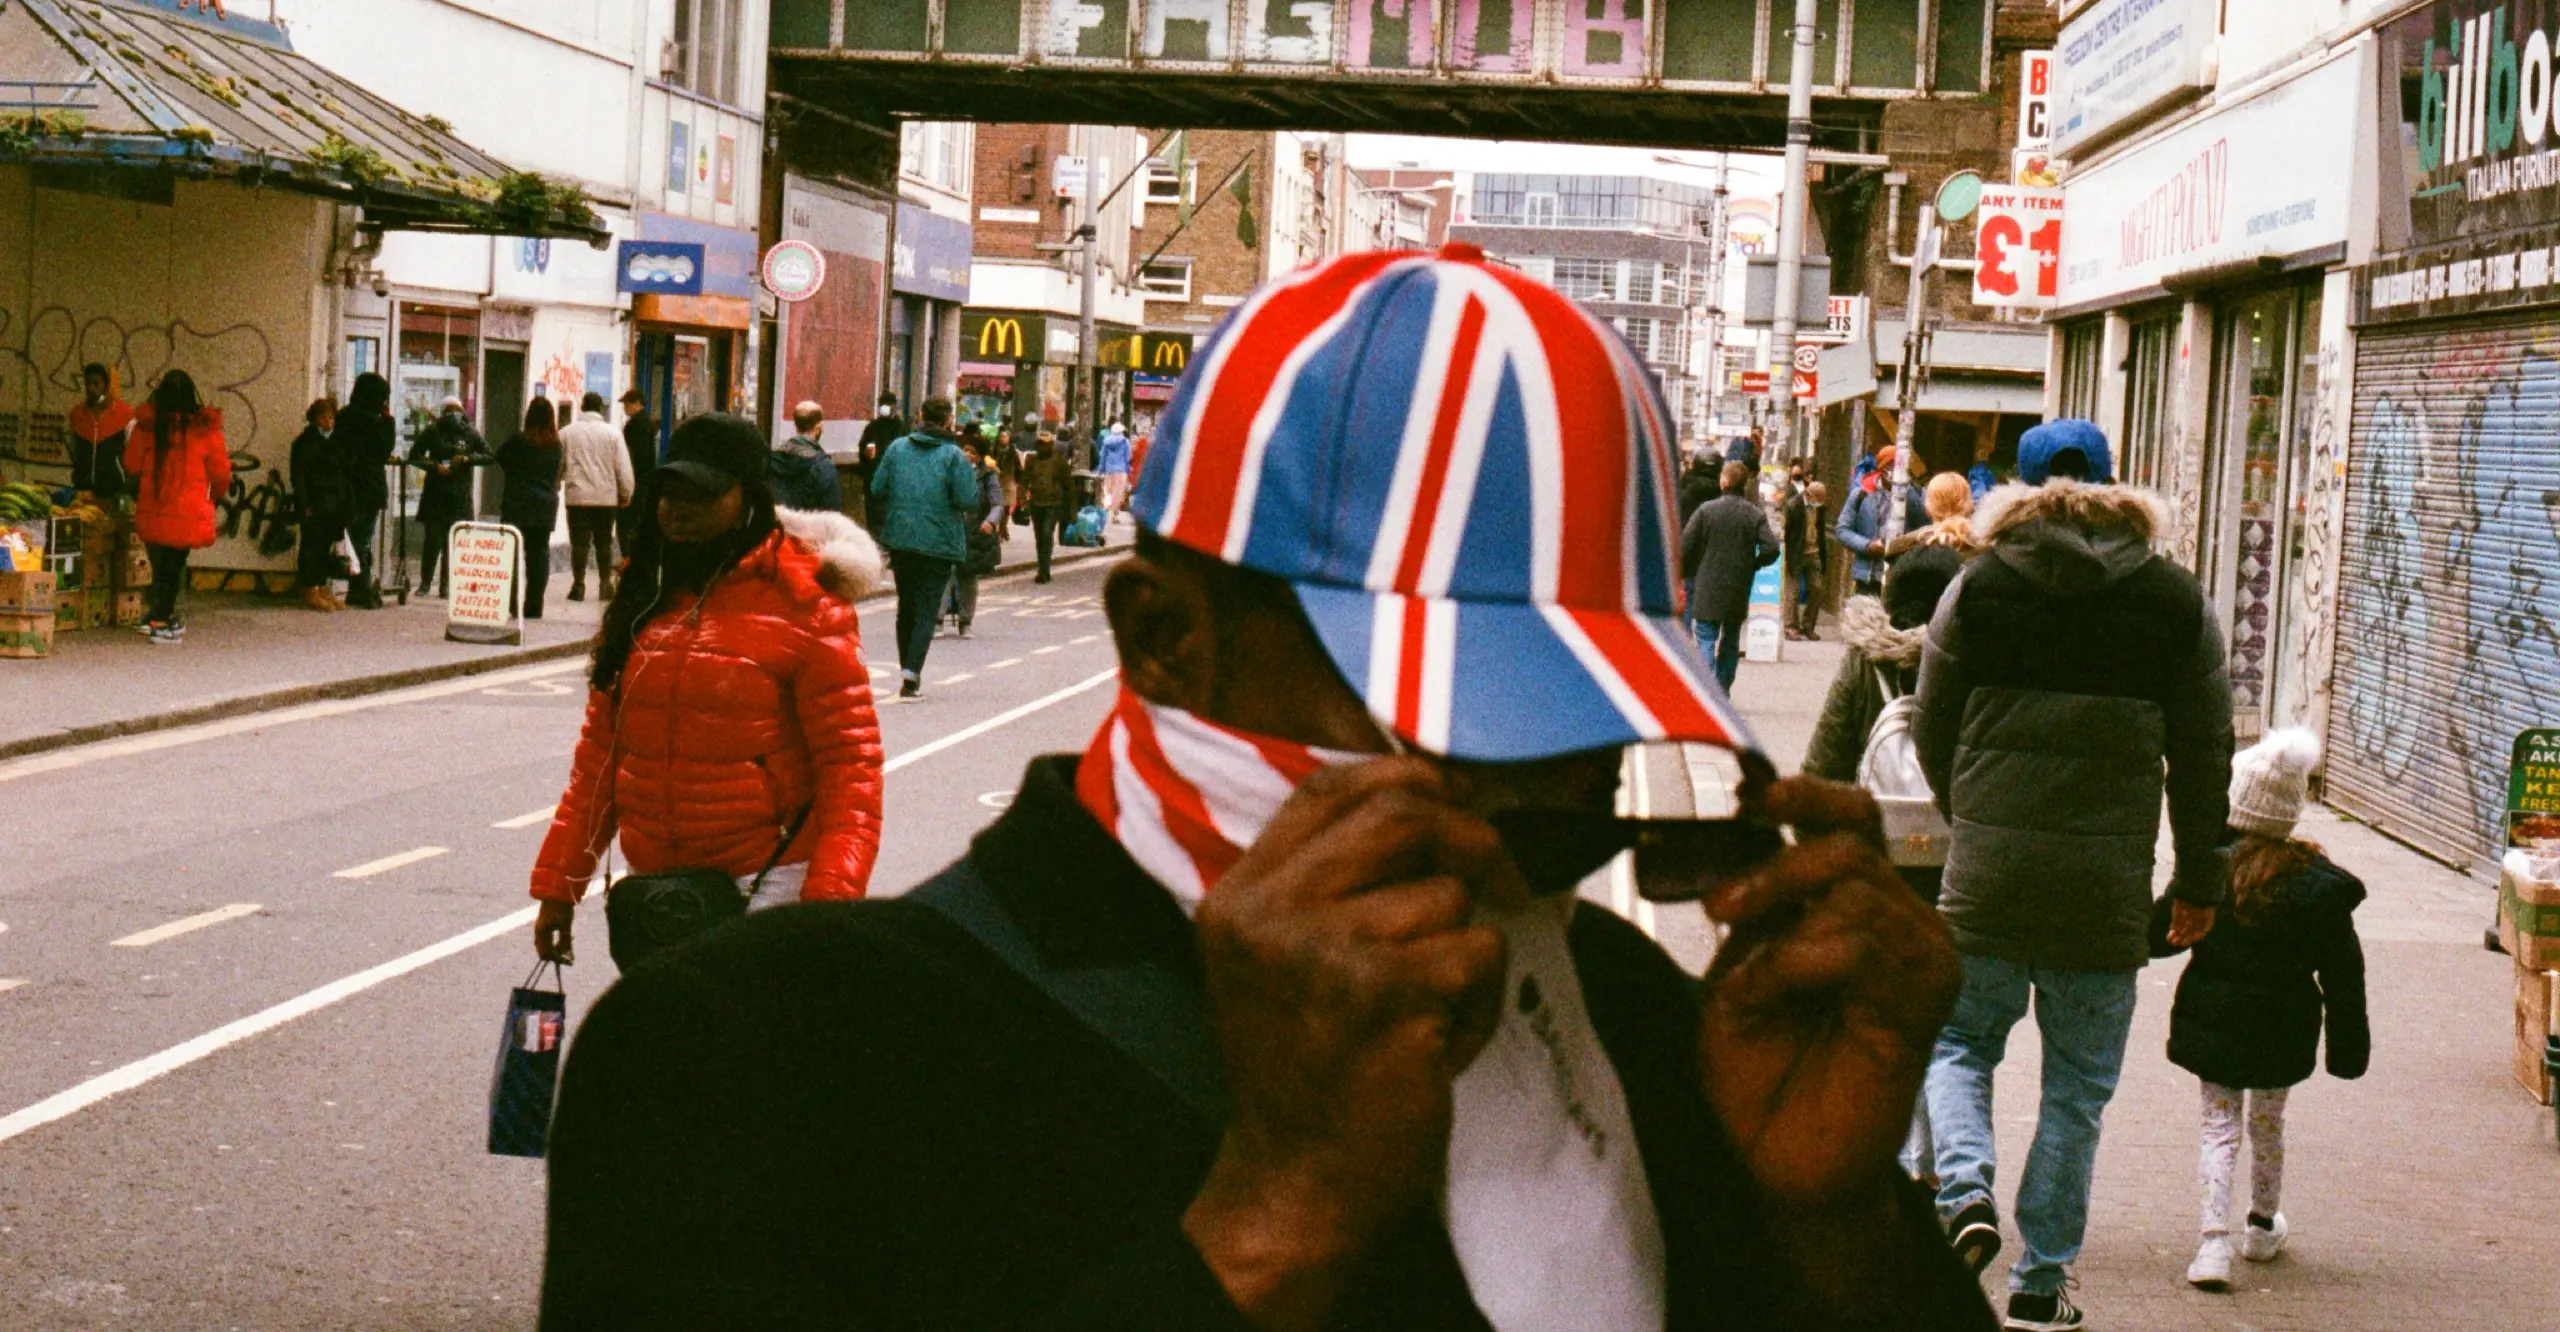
{"x":1470,"y":483}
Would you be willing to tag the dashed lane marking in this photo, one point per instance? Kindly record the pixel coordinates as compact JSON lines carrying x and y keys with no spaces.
{"x":164,"y":933}
{"x":1042,"y":651}
{"x":957,"y":678}
{"x":542,"y":815}
{"x":8,"y":985}
{"x":1000,"y":665}
{"x":1079,"y":642}
{"x":389,"y":863}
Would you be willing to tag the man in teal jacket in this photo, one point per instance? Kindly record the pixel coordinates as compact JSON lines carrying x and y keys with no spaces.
{"x":921,"y":494}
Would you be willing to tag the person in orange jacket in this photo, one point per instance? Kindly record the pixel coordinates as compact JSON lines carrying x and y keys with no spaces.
{"x":177,"y":456}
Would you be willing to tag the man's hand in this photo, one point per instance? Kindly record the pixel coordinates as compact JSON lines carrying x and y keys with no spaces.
{"x":2188,"y":924}
{"x":1348,"y":989}
{"x":1819,"y":1016}
{"x":551,"y":923}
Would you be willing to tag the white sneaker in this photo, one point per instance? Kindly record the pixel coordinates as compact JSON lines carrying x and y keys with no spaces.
{"x":2260,"y":1246}
{"x":2212,"y":1268}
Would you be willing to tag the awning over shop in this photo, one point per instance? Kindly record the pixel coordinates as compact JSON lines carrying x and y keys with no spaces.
{"x":1972,"y":368}
{"x":125,"y":86}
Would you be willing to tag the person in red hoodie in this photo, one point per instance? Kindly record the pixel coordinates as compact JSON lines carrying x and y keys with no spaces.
{"x":180,"y":462}
{"x":730,"y":724}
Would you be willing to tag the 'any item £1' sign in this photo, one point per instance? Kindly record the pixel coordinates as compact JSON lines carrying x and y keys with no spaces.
{"x":2017,"y":245}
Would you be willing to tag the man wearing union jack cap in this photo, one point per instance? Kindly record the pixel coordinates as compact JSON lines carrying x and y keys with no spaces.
{"x":1274,"y":1008}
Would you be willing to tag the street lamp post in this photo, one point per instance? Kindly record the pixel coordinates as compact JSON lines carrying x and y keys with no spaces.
{"x":1791,"y":216}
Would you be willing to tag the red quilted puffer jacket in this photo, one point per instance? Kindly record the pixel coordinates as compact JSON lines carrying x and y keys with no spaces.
{"x":737,"y":709}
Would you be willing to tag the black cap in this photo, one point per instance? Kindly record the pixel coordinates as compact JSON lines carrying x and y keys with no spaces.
{"x":715,"y":451}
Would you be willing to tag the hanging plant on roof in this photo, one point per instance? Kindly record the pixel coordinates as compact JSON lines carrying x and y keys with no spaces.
{"x":19,"y":131}
{"x":535,"y":197}
{"x":356,"y":162}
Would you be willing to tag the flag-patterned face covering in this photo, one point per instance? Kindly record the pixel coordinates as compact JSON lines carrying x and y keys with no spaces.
{"x":1546,"y":1201}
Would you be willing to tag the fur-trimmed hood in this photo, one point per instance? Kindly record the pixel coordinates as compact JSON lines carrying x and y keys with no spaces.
{"x":849,"y":564}
{"x":1865,"y":626}
{"x":2071,"y":537}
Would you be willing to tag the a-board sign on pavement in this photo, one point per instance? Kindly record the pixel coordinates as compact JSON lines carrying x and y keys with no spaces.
{"x":484,"y":562}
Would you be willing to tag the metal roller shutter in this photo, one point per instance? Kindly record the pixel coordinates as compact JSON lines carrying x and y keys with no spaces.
{"x":2449,"y":591}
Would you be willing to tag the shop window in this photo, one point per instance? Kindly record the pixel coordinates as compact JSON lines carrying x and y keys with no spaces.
{"x":2150,"y":359}
{"x":2080,"y":343}
{"x":702,"y":52}
{"x":1165,"y":280}
{"x":1587,"y":279}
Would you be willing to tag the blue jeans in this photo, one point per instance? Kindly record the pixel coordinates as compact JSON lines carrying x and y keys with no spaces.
{"x":2083,"y":1017}
{"x":1721,"y":644}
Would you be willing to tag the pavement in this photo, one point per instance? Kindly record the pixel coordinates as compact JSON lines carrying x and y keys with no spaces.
{"x":246,"y":653}
{"x":251,"y":971}
{"x":2424,"y":1194}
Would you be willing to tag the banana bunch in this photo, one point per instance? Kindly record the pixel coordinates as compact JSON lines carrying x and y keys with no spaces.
{"x":24,"y":500}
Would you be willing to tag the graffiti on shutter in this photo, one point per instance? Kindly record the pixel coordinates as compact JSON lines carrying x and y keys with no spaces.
{"x":2448,"y":616}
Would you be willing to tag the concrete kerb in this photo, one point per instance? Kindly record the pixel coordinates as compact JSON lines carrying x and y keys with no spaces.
{"x":357,"y":686}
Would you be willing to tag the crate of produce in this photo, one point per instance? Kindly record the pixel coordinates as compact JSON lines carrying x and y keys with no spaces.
{"x":26,"y":594}
{"x":26,"y":635}
{"x":2535,"y":993}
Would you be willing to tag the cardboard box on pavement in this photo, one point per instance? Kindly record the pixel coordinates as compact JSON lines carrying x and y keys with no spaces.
{"x":26,"y":635}
{"x":128,"y":609}
{"x":2529,"y":909}
{"x":26,"y":594}
{"x":2534,"y":1006}
{"x":97,"y":608}
{"x":133,"y":568}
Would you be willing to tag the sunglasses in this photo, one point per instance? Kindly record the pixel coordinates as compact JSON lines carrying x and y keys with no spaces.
{"x":1676,"y":859}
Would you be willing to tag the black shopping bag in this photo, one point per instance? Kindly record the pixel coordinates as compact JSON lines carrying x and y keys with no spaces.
{"x":528,"y":1067}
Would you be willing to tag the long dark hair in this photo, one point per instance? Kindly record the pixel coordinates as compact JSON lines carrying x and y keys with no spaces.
{"x":370,"y":395}
{"x":642,"y":588}
{"x":174,"y":407}
{"x":541,"y":424}
{"x":2260,"y":866}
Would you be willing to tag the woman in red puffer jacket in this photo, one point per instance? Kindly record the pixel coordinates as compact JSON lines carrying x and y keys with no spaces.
{"x":177,"y":458}
{"x":730,"y":698}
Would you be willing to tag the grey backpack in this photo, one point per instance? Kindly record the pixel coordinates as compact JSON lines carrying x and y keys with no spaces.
{"x":1915,"y":832}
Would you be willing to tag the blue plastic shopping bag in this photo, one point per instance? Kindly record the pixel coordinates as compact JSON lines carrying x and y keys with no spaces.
{"x":528,"y":1073}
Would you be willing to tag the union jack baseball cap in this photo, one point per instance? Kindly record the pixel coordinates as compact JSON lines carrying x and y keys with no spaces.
{"x":1469,"y":482}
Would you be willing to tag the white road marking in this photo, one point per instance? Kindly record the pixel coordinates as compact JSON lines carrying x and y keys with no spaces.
{"x":955,"y":679}
{"x":83,"y":755}
{"x":80,"y":1097}
{"x":73,"y":1100}
{"x":542,"y":815}
{"x":389,"y":863}
{"x":1000,"y":665}
{"x":8,"y":985}
{"x":1042,"y":651}
{"x":162,"y":933}
{"x":1079,"y":642}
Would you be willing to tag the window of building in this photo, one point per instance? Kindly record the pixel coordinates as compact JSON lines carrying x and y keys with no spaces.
{"x":1539,"y":210}
{"x":1669,"y":291}
{"x":1587,"y":279}
{"x":1162,"y":188}
{"x":2150,"y":361}
{"x":2080,"y":343}
{"x":937,"y":152}
{"x":1640,"y":281}
{"x":1165,"y":280}
{"x":1639,"y":335}
{"x":702,"y":53}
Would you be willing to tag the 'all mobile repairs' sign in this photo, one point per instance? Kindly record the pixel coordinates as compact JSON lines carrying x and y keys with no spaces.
{"x":483,"y":561}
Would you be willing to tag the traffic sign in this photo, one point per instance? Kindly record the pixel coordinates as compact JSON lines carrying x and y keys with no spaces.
{"x":1808,"y":357}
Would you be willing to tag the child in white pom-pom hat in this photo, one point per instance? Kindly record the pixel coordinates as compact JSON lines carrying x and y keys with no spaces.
{"x":2250,"y":1006}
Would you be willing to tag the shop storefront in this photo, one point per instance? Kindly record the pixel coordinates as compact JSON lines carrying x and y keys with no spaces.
{"x":1154,"y":361}
{"x":2448,"y":621}
{"x":2203,"y":287}
{"x":929,"y":279}
{"x":1013,"y":364}
{"x":691,"y":350}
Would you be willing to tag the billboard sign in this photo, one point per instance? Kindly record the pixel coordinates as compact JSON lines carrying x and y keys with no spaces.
{"x":2120,"y":58}
{"x":2017,"y":246}
{"x":660,"y":268}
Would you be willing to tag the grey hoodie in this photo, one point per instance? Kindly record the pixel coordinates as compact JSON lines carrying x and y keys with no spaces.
{"x":2071,"y":677}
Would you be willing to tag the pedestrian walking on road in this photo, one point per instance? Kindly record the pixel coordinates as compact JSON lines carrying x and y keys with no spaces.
{"x":729,"y":721}
{"x":320,"y":505}
{"x":1861,"y":527}
{"x":804,"y":477}
{"x":1247,"y":1017}
{"x":597,"y":483}
{"x":1807,"y":524}
{"x":180,"y":461}
{"x":2252,"y":1002}
{"x":1048,"y":484}
{"x":365,"y":441}
{"x":640,"y":444}
{"x":925,"y":489}
{"x":2066,"y":669}
{"x":447,"y":449}
{"x":1111,"y":463}
{"x":1729,"y":539}
{"x":985,"y":541}
{"x":99,"y":425}
{"x":531,"y":502}
{"x":881,"y":431}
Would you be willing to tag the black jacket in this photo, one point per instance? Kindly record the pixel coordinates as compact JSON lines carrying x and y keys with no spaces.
{"x":364,"y":445}
{"x":852,"y":1115}
{"x":447,"y":439}
{"x":1727,"y":540}
{"x":2249,"y":1007}
{"x":877,"y":435}
{"x":531,"y":501}
{"x":2073,"y":677}
{"x":319,"y":482}
{"x":640,"y":440}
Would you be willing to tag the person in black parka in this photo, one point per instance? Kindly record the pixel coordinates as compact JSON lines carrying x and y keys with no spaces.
{"x":2251,"y":1005}
{"x":364,"y":440}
